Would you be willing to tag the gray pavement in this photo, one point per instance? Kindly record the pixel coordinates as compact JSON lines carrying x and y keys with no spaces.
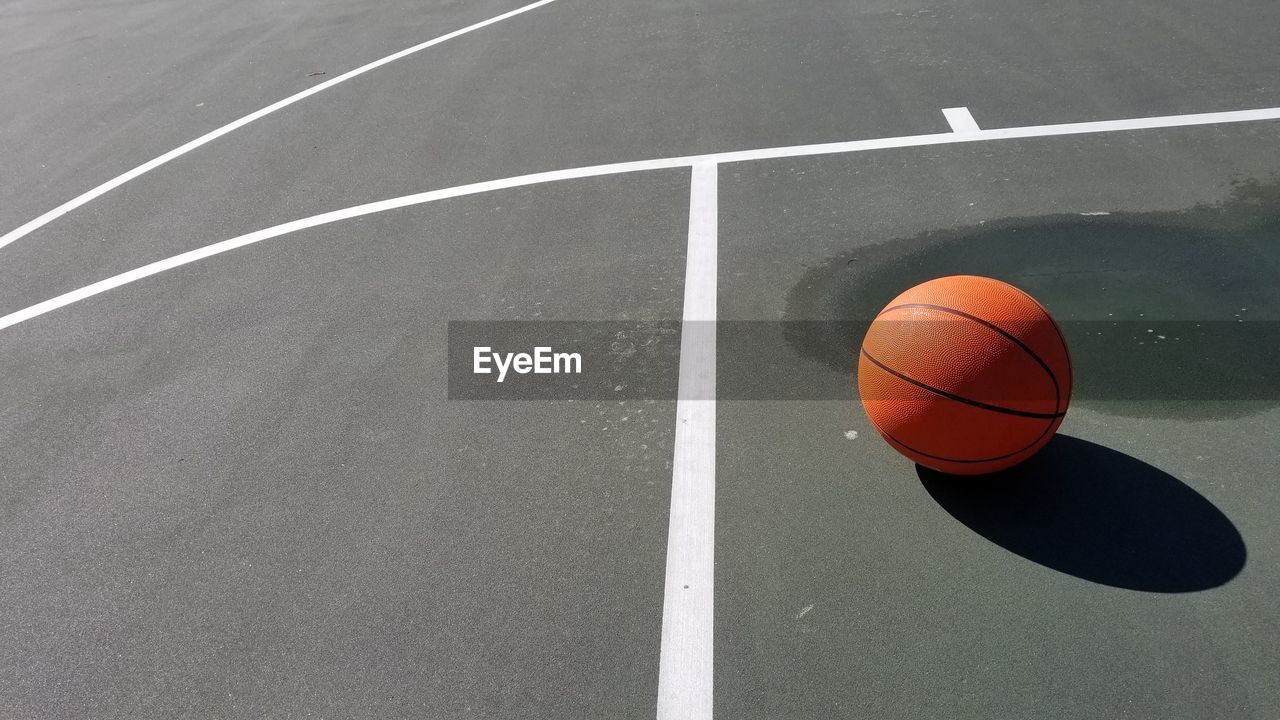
{"x":569,"y":84}
{"x":242,"y":492}
{"x":238,"y":489}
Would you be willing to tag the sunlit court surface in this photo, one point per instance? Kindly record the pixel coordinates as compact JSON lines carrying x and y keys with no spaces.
{"x":496,"y":360}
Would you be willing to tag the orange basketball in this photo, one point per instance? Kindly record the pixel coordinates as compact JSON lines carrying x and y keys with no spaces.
{"x":965,"y":374}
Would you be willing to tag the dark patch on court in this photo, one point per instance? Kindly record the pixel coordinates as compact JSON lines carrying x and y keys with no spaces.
{"x":1098,"y":514}
{"x":1168,"y":314}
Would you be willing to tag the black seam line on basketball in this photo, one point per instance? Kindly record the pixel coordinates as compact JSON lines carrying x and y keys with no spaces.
{"x":1025,"y":448}
{"x":960,"y":398}
{"x":1066,"y":351}
{"x":1057,"y":393}
{"x":979,"y":459}
{"x":1062,"y":338}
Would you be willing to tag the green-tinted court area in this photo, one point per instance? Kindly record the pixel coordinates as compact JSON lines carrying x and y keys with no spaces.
{"x":1124,"y":570}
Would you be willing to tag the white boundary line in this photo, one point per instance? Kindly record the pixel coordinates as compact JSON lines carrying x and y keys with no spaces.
{"x":30,"y":227}
{"x":960,"y":120}
{"x":685,"y":659}
{"x":1033,"y":131}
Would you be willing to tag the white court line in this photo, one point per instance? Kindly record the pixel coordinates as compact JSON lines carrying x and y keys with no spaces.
{"x":1033,"y":131}
{"x":960,"y":120}
{"x":30,"y":227}
{"x":685,"y":659}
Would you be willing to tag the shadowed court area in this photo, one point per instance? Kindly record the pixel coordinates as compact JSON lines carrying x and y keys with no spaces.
{"x":1100,"y":515}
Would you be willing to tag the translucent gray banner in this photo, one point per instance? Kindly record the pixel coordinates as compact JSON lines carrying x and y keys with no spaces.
{"x":1161,"y":361}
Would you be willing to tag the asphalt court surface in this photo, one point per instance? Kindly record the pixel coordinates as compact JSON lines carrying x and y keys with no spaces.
{"x":487,"y":546}
{"x":238,"y":489}
{"x":564,"y":86}
{"x":845,"y":587}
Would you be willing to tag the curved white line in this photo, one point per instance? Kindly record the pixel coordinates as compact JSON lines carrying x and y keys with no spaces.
{"x":30,"y":227}
{"x":617,"y":168}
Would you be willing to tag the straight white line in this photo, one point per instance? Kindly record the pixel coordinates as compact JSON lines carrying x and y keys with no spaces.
{"x":960,"y":120}
{"x":635,"y":166}
{"x":1030,"y":131}
{"x":150,"y":165}
{"x":685,"y":660}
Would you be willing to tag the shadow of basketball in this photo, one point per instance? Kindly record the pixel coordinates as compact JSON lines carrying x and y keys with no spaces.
{"x":1100,"y":515}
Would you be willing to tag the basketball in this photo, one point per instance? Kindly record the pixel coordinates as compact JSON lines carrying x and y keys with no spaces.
{"x":965,"y":375}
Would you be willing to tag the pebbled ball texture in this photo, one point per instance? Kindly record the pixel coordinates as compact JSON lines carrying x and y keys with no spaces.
{"x":965,"y":374}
